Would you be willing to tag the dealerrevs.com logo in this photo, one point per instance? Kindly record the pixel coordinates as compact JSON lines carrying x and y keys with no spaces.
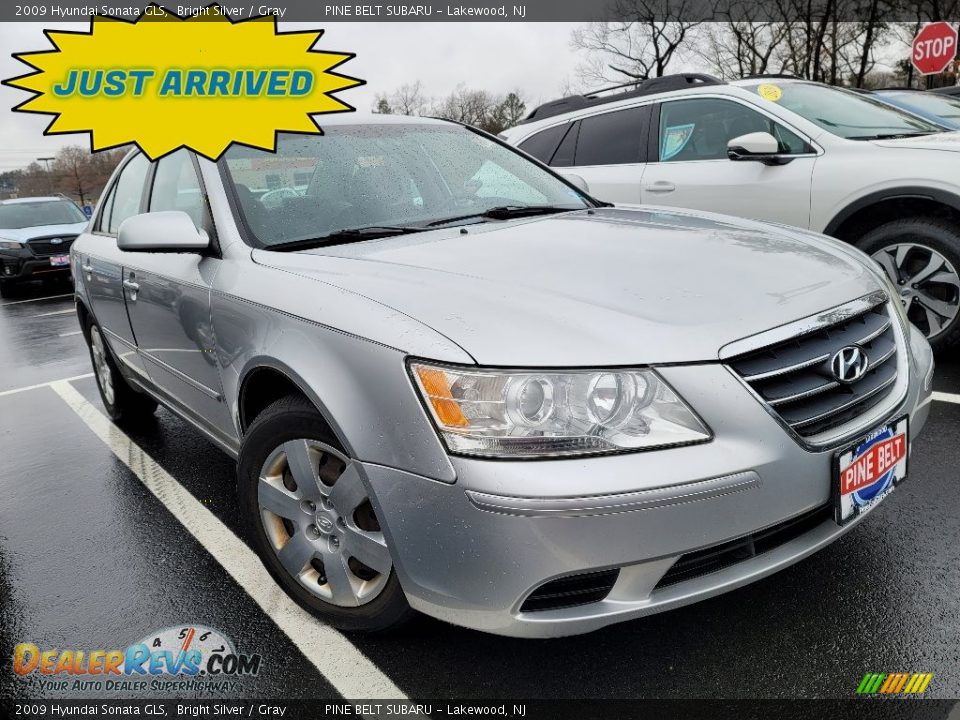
{"x":188,"y":657}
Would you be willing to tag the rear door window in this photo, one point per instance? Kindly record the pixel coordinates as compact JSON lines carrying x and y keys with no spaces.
{"x":613,"y":138}
{"x":128,"y":192}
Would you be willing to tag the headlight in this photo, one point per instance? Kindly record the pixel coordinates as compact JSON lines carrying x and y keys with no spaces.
{"x":10,"y":244}
{"x":527,"y":414}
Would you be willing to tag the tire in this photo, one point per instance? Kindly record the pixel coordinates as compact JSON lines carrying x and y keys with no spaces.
{"x":6,"y":289}
{"x":304,"y":530}
{"x":123,"y":404}
{"x":922,"y":257}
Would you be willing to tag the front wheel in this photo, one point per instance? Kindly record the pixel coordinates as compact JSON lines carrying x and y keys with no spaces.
{"x":312,"y":523}
{"x":922,"y":259}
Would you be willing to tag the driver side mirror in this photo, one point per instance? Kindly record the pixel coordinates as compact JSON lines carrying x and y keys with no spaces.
{"x":161,"y":231}
{"x":757,"y":147}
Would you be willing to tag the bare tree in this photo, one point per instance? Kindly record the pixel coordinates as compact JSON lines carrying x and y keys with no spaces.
{"x":408,"y":99}
{"x":75,"y":171}
{"x":640,"y":46}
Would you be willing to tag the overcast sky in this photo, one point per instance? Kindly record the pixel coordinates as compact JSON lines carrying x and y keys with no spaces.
{"x":534,"y":57}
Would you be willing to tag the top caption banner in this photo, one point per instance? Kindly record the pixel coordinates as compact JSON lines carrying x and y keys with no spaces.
{"x":493,"y":11}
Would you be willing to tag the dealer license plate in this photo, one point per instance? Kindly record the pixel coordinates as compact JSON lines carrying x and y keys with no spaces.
{"x":867,"y":471}
{"x":60,"y":260}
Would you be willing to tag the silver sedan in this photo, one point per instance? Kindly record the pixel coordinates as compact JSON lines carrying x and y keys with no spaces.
{"x":457,"y":384}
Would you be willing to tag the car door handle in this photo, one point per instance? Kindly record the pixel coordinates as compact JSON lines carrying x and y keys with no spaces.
{"x":133,"y":287}
{"x":660,"y":187}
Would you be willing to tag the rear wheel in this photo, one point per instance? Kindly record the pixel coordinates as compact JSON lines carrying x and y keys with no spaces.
{"x":922,"y":258}
{"x":122,"y":402}
{"x":312,"y":523}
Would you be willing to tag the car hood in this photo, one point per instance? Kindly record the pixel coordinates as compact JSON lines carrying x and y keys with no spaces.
{"x":28,"y":233}
{"x":949,"y":141}
{"x":613,"y":287}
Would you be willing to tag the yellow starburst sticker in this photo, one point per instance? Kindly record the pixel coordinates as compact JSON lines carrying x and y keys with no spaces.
{"x":165,"y":82}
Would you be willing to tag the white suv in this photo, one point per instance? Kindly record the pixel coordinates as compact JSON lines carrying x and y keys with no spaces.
{"x":803,"y":154}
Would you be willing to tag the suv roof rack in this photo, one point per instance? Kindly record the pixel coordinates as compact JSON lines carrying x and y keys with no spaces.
{"x":772,"y":76}
{"x":650,"y":86}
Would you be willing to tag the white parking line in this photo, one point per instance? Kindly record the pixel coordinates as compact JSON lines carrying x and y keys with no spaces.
{"x":349,"y":671}
{"x":55,"y":312}
{"x":14,"y":391}
{"x":947,"y":397}
{"x":72,"y":332}
{"x":39,"y":299}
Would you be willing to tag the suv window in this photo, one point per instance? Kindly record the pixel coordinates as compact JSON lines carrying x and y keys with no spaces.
{"x":614,"y":138}
{"x":127,"y":193}
{"x":542,"y":144}
{"x":700,"y":129}
{"x":176,"y":187}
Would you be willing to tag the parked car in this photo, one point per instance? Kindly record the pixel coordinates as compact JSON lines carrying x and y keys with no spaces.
{"x":949,"y":90}
{"x":35,"y":238}
{"x":457,"y":384}
{"x":937,"y":108}
{"x":781,"y":150}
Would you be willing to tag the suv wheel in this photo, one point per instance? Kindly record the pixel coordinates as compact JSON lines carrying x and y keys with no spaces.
{"x":922,"y":258}
{"x":311,"y":521}
{"x":122,"y":402}
{"x":6,"y":288}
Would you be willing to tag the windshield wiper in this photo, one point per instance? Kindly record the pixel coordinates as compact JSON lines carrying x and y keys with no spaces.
{"x":892,"y":136}
{"x":505,"y":212}
{"x":370,"y":232}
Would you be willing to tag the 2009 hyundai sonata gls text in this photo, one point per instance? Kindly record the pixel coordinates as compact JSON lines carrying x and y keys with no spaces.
{"x":455,"y":383}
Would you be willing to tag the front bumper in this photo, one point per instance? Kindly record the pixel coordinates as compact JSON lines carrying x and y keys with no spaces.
{"x":18,"y":265}
{"x":473,"y":551}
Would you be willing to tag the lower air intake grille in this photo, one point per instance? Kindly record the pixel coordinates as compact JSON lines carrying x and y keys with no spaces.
{"x":571,"y":591}
{"x":718,"y":557}
{"x":796,"y":378}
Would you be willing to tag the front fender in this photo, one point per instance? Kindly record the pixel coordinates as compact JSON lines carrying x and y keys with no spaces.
{"x":361,"y":387}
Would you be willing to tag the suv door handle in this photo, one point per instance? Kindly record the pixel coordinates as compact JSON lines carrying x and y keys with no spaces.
{"x":660,"y":187}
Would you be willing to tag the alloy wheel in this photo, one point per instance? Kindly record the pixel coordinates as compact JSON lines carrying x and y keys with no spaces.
{"x":100,"y":365}
{"x":319,"y":521}
{"x":929,"y":284}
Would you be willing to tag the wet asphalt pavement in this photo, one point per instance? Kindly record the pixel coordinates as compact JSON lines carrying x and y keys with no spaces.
{"x":89,"y":559}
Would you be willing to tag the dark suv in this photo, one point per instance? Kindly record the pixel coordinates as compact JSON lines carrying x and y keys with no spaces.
{"x":35,"y":238}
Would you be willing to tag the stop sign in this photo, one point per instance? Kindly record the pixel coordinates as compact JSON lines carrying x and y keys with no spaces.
{"x":934,"y":48}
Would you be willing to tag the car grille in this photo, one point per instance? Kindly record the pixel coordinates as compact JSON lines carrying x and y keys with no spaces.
{"x":702,"y":562}
{"x":42,"y":247}
{"x":571,"y":591}
{"x":795,"y":378}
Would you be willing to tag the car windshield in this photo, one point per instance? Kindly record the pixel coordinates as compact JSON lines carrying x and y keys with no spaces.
{"x":14,"y":216}
{"x":943,"y":107}
{"x":384,"y":176}
{"x":844,"y":113}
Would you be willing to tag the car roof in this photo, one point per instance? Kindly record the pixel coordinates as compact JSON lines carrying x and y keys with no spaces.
{"x":45,"y":198}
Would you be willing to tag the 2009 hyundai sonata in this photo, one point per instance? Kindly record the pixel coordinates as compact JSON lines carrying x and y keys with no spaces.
{"x":456,"y":384}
